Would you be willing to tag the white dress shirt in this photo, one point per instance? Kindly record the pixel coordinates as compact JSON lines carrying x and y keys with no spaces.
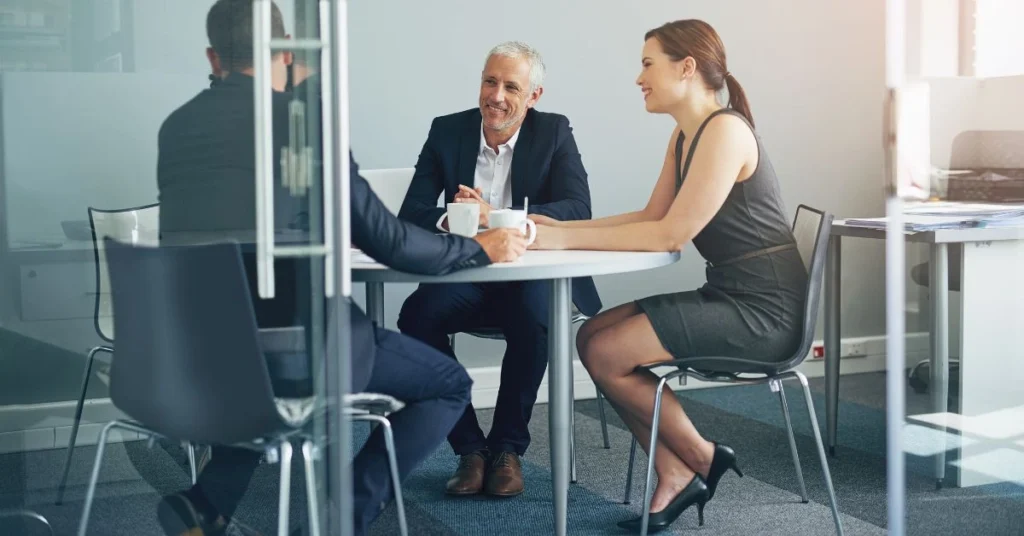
{"x":493,"y":173}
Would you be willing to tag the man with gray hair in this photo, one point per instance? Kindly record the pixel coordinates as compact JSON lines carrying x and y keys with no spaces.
{"x":497,"y":155}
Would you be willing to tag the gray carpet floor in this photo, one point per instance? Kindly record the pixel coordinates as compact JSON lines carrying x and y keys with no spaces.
{"x":766,"y":501}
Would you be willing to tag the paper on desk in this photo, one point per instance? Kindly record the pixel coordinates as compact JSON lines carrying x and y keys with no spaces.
{"x":916,"y":223}
{"x":358,"y":256}
{"x":934,"y":222}
{"x":967,"y":210}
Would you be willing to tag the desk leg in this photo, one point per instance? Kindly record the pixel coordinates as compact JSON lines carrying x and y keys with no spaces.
{"x":375,"y":302}
{"x":559,"y":393}
{"x":939,"y":289}
{"x":833,"y":274}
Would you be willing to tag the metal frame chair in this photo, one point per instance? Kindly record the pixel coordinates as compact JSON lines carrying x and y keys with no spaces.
{"x":374,"y":408}
{"x":495,"y":334}
{"x":190,"y":325}
{"x":138,"y":224}
{"x":811,"y":228}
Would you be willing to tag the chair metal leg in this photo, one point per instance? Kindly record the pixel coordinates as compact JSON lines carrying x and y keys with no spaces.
{"x":285,"y":491}
{"x":31,"y":514}
{"x":629,"y":473}
{"x":78,"y":419}
{"x":776,"y":385}
{"x":604,"y":420}
{"x":648,"y":486}
{"x":192,"y":462}
{"x":572,"y":429}
{"x":90,"y":493}
{"x":308,"y":459}
{"x":821,"y":450}
{"x":396,"y":479}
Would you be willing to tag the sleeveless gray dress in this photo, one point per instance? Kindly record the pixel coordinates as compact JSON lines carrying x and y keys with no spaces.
{"x":752,"y":304}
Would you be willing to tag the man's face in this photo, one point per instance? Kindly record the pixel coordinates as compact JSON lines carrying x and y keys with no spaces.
{"x":505,"y":94}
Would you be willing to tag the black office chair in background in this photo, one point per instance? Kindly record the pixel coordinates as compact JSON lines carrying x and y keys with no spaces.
{"x":185,"y":322}
{"x":811,"y":228}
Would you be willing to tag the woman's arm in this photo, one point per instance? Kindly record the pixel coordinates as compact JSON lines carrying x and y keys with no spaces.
{"x":725,"y":148}
{"x":609,"y":221}
{"x":657,"y":205}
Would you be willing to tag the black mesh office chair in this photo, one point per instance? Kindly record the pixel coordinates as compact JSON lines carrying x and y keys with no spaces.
{"x":811,"y":229}
{"x":185,"y":323}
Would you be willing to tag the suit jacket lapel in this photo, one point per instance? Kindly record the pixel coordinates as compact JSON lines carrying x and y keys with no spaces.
{"x":521,"y":176}
{"x":469,"y":146}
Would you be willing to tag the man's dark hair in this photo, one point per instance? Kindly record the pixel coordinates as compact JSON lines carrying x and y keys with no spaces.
{"x":229,"y":29}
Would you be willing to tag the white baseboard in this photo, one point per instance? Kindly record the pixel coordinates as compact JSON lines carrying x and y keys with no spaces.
{"x":48,"y":426}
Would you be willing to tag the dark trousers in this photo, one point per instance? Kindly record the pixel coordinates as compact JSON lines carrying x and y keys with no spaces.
{"x":520,"y":310}
{"x":435,"y":390}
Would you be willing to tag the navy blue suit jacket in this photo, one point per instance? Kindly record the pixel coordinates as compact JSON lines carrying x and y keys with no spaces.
{"x":205,"y":175}
{"x":546,"y":168}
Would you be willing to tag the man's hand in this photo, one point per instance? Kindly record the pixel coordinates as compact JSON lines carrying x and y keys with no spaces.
{"x":541,"y":219}
{"x":475,"y":195}
{"x":502,"y":245}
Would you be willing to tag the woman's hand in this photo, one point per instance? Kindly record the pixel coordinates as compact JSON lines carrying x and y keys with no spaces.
{"x":549,"y":238}
{"x":541,"y":219}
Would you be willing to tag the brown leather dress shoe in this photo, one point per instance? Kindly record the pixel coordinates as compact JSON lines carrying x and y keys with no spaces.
{"x":505,"y":476}
{"x":469,"y":477}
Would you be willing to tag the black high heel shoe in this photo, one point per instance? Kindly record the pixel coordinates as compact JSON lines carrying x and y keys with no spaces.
{"x":696,"y":492}
{"x":723,"y":460}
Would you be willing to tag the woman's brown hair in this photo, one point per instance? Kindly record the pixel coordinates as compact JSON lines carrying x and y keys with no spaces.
{"x":698,"y":39}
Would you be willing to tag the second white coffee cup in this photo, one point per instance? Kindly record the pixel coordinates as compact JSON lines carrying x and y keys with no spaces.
{"x":513,"y":219}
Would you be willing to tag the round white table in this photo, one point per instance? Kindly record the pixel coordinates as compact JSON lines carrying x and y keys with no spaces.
{"x":559,"y":267}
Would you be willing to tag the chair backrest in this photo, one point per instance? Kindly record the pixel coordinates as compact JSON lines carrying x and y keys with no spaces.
{"x":974,"y":149}
{"x":811,"y":228}
{"x":390,"y":185}
{"x":188,"y":362}
{"x":139,"y":225}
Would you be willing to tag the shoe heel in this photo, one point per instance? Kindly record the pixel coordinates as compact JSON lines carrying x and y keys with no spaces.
{"x":700,"y":514}
{"x":736,"y":468}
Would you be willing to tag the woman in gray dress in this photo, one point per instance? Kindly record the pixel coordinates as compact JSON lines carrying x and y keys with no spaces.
{"x":717,"y":189}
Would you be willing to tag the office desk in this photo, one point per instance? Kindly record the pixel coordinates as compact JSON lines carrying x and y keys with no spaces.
{"x":558,"y":267}
{"x":992,"y":331}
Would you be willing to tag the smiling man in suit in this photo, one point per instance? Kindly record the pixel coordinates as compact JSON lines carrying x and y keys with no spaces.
{"x":497,"y":155}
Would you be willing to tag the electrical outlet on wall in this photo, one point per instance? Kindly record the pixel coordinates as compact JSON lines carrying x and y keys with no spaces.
{"x":854,"y":348}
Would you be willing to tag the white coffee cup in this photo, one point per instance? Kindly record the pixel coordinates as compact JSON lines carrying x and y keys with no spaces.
{"x":513,"y":219}
{"x":463,"y":218}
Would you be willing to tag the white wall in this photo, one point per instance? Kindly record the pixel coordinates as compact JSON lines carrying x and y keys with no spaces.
{"x":814,"y":72}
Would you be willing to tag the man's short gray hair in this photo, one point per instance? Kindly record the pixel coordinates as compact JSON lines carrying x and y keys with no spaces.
{"x":519,"y":50}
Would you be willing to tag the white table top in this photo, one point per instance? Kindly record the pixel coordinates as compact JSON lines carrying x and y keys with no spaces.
{"x":941,"y":236}
{"x":533,"y":265}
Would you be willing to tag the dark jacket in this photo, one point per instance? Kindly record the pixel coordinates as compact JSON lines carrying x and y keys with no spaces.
{"x":546,"y":168}
{"x":206,"y":179}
